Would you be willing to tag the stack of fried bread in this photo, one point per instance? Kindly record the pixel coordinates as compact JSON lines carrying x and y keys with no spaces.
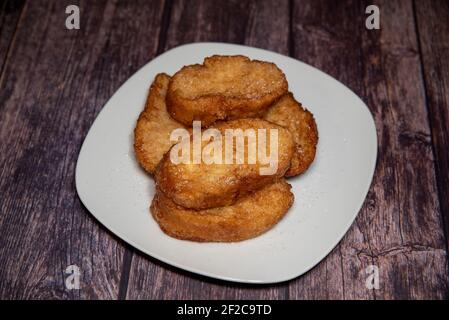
{"x":222,"y":202}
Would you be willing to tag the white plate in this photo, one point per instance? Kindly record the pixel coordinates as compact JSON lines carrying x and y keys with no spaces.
{"x":327,"y":197}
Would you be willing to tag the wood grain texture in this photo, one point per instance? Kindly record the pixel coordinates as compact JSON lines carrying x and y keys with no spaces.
{"x":10,"y":12}
{"x":248,"y":22}
{"x":399,"y":228}
{"x":55,"y":83}
{"x":433,"y":31}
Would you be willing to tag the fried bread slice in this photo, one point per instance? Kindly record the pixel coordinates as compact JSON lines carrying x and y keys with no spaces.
{"x":289,"y":113}
{"x":154,"y":126}
{"x":202,"y":185}
{"x":224,"y":88}
{"x":247,"y":218}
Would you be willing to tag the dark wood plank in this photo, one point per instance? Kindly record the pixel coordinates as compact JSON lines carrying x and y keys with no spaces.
{"x":54,"y":84}
{"x":399,"y":228}
{"x":242,"y":22}
{"x":10,"y":12}
{"x":226,"y":21}
{"x":433,"y":30}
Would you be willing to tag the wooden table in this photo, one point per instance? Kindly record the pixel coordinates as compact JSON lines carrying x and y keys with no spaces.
{"x":54,"y":81}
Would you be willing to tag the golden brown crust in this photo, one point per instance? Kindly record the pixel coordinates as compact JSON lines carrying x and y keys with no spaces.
{"x":289,"y":113}
{"x":153,"y":128}
{"x":203,"y":186}
{"x":247,"y":218}
{"x":224,"y":88}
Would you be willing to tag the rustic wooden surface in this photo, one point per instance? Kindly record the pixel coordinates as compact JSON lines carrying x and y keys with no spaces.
{"x":54,"y":81}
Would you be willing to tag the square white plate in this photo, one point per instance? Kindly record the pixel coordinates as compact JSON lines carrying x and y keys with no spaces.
{"x":328,"y":196}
